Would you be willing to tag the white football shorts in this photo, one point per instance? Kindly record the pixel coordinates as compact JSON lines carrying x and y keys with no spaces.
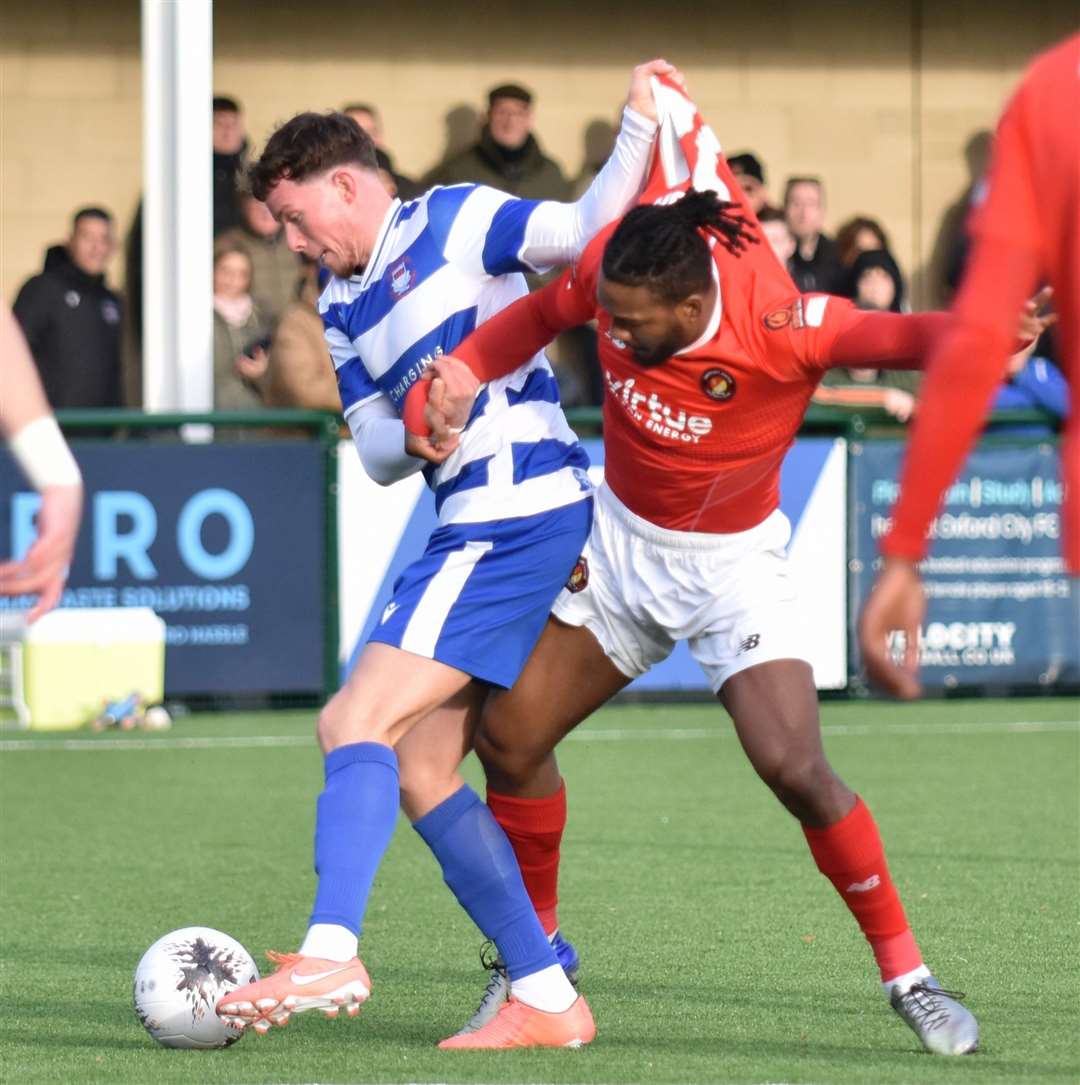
{"x":639,"y":589}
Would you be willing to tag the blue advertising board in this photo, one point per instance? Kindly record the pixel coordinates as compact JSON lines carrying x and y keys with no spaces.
{"x":224,"y":541}
{"x":1001,"y":609}
{"x":384,"y":529}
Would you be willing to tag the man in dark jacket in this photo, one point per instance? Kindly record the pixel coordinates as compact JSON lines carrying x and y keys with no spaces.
{"x":507,"y":156}
{"x":230,"y":150}
{"x":72,"y":319}
{"x":816,"y":264}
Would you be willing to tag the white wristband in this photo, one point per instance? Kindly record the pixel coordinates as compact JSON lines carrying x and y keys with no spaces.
{"x":41,"y":451}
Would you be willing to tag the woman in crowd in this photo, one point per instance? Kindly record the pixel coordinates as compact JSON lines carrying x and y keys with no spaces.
{"x":241,"y":333}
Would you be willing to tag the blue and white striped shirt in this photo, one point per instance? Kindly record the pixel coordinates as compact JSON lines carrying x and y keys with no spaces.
{"x":441,"y":265}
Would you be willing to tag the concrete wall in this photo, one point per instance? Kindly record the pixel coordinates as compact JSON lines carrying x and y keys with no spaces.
{"x":879,"y":99}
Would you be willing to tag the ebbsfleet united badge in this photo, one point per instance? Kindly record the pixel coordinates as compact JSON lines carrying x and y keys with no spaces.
{"x":579,"y":576}
{"x":718,"y":384}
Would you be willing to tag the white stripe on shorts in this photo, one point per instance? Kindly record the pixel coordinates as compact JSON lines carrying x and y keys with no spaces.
{"x":426,"y":623}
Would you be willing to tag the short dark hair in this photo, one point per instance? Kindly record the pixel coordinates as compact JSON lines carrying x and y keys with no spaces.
{"x":307,"y":145}
{"x":224,"y":104}
{"x":662,"y":247}
{"x":509,"y":90}
{"x":360,"y":107}
{"x":91,"y":213}
{"x":807,"y":180}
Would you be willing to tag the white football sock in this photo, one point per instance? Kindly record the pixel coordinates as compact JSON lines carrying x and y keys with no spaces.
{"x":906,"y":981}
{"x":548,"y":990}
{"x":330,"y":942}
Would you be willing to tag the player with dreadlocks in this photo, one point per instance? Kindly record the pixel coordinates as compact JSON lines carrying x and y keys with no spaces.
{"x":710,"y":356}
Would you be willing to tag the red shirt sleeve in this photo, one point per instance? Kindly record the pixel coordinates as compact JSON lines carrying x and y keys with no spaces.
{"x":513,"y":336}
{"x":886,"y":340}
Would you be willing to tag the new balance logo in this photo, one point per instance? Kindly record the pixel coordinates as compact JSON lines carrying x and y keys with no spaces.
{"x":749,"y":644}
{"x":864,"y":887}
{"x":388,"y":613}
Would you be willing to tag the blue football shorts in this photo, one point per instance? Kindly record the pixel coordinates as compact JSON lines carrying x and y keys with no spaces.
{"x":479,"y":596}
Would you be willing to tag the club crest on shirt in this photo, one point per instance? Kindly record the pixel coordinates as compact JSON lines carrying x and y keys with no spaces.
{"x":718,"y":384}
{"x":579,"y":576}
{"x":778,"y":319}
{"x":402,"y":277}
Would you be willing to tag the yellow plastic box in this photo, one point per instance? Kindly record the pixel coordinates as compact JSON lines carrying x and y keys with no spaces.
{"x":76,"y":660}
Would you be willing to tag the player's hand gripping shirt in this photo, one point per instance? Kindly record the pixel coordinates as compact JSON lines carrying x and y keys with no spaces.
{"x":442,"y":265}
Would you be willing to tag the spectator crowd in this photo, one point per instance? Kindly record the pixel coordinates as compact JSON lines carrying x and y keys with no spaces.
{"x":268,"y":343}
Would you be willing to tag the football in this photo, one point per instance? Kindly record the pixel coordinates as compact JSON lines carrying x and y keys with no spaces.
{"x":180,"y":980}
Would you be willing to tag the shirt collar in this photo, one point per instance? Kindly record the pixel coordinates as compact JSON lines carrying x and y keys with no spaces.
{"x":364,"y":277}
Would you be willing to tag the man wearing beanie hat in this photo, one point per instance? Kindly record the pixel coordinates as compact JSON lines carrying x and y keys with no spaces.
{"x":507,"y":155}
{"x":750,"y":174}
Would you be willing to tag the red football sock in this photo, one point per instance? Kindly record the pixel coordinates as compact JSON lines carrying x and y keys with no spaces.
{"x":850,"y":855}
{"x":535,"y":828}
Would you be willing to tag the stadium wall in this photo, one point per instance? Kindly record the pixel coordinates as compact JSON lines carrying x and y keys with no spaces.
{"x":880,"y":100}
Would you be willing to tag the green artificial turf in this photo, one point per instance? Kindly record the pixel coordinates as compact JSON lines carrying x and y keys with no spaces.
{"x":712,"y":949}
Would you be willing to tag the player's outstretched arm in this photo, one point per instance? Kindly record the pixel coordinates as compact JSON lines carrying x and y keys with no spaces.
{"x":907,"y":340}
{"x":27,"y":421}
{"x":886,"y":340}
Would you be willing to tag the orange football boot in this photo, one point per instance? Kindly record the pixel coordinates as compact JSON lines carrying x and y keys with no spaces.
{"x":301,"y":983}
{"x":518,"y":1025}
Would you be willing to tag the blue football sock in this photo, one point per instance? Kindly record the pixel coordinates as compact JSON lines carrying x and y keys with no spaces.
{"x":354,"y":821}
{"x":478,"y":864}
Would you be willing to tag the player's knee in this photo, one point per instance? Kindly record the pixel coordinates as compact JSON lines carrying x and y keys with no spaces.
{"x":796,"y":776}
{"x":507,"y":765}
{"x":808,"y":787}
{"x":341,"y":723}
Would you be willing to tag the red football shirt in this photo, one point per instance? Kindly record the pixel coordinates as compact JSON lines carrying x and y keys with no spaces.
{"x":1026,"y":232}
{"x":696,"y":443}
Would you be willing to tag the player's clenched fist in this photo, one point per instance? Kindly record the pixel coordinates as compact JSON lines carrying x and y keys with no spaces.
{"x":640,"y":97}
{"x":438,"y":407}
{"x":452,"y":395}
